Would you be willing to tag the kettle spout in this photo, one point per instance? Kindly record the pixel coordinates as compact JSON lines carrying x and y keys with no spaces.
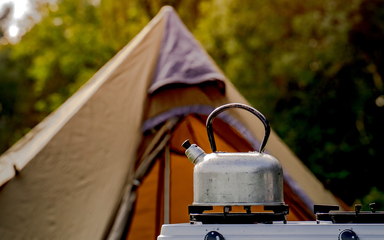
{"x":194,"y":153}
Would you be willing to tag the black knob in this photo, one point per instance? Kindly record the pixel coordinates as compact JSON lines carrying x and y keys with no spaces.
{"x":348,"y":234}
{"x":372,"y":206}
{"x":357,"y":208}
{"x":186,"y":144}
{"x":213,"y":235}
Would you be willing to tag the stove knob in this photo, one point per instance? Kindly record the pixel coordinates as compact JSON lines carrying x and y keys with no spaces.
{"x":213,"y":235}
{"x":348,"y":234}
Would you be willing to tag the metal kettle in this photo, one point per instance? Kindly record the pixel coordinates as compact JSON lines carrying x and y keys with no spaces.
{"x":221,"y":178}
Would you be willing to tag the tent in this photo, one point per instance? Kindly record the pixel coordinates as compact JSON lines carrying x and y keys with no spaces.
{"x":108,"y":163}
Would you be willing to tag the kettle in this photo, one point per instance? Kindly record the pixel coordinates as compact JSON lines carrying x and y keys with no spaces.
{"x":245,"y":179}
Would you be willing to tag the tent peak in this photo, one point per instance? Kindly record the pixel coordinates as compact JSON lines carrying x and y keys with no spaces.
{"x":182,"y":60}
{"x":167,"y":8}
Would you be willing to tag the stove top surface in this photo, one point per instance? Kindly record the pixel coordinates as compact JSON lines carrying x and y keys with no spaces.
{"x":330,"y":224}
{"x":290,"y":231}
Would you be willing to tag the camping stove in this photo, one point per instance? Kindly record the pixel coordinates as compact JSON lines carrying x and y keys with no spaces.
{"x":329,"y":224}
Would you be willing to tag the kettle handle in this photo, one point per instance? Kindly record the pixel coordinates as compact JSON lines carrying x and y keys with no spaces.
{"x":221,"y":109}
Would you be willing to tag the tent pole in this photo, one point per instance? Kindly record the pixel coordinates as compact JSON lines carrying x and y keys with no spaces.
{"x":166,"y":184}
{"x":120,"y":226}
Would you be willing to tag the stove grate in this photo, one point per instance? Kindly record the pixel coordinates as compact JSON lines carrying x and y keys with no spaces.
{"x":197,"y":215}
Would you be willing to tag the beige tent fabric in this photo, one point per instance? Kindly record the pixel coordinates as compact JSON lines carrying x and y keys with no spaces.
{"x":167,"y":99}
{"x":80,"y":157}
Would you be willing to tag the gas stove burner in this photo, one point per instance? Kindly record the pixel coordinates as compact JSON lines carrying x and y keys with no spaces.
{"x":323,"y":214}
{"x":197,"y":215}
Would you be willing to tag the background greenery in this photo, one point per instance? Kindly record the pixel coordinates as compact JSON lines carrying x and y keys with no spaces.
{"x":314,"y":68}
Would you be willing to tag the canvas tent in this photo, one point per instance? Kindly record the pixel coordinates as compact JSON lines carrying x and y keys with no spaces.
{"x":108,"y":163}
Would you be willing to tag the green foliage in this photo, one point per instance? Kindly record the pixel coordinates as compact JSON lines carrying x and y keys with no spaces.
{"x":15,"y":102}
{"x":314,"y":68}
{"x":374,"y":196}
{"x":310,"y":68}
{"x":71,"y":44}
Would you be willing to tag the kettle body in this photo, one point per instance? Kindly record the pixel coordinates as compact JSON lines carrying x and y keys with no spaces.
{"x":220,"y":178}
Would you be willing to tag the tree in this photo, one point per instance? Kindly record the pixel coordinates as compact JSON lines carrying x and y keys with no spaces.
{"x":299,"y":63}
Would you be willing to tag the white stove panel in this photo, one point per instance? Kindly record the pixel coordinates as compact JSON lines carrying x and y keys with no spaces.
{"x":291,"y":231}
